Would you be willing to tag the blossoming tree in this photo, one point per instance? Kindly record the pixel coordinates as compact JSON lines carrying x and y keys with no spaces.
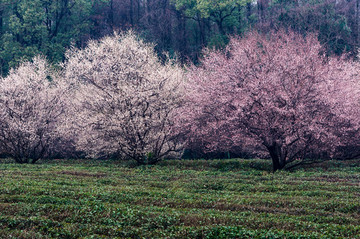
{"x":30,"y":108}
{"x":126,"y":99}
{"x":277,"y":91}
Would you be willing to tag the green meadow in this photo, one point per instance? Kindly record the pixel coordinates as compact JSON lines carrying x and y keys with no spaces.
{"x":178,"y":199}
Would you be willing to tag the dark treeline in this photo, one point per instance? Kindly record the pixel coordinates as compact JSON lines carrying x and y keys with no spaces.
{"x":181,"y":27}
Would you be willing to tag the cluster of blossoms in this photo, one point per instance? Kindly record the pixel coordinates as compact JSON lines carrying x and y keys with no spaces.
{"x":276,"y":92}
{"x":115,"y":98}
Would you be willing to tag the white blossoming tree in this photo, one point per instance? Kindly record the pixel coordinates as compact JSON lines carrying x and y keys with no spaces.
{"x":30,"y":109}
{"x":125,"y":99}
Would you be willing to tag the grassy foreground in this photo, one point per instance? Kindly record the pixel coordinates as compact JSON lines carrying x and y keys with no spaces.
{"x":178,"y":199}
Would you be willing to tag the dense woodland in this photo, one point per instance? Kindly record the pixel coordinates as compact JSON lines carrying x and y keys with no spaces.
{"x":178,"y":27}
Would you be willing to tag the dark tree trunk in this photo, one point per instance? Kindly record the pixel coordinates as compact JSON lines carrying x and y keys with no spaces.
{"x":111,"y":15}
{"x":277,"y":157}
{"x":167,"y":34}
{"x":180,"y":37}
{"x":21,"y":160}
{"x":201,"y":31}
{"x":138,"y":12}
{"x":248,"y":11}
{"x":65,"y":10}
{"x":143,"y":160}
{"x":221,"y":26}
{"x":148,"y":12}
{"x":1,"y":20}
{"x":131,"y":13}
{"x":357,"y":22}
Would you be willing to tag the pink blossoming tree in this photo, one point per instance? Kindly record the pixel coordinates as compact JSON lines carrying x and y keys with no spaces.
{"x":277,"y":91}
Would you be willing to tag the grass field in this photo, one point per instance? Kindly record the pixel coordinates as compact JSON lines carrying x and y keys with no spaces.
{"x":178,"y":199}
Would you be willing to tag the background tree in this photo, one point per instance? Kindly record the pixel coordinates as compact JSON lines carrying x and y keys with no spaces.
{"x":213,"y":20}
{"x":126,"y":99}
{"x":179,"y":27}
{"x":37,"y":27}
{"x":277,"y":91}
{"x":30,"y":110}
{"x":332,"y":20}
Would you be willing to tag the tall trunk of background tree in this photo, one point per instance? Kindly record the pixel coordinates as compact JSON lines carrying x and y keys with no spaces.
{"x":181,"y":46}
{"x":148,"y":12}
{"x":167,"y":33}
{"x":138,"y":9}
{"x":60,"y":16}
{"x":1,"y":33}
{"x":260,"y":10}
{"x":220,"y":25}
{"x":248,"y":11}
{"x":201,"y":30}
{"x":357,"y":22}
{"x":1,"y":20}
{"x":111,"y":15}
{"x":131,"y":13}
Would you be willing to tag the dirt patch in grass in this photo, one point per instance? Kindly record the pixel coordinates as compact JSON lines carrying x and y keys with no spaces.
{"x":9,"y":208}
{"x":224,"y":206}
{"x":83,"y":174}
{"x":349,"y":180}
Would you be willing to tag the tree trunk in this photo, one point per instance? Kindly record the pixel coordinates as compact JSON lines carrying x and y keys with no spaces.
{"x":357,"y":22}
{"x":167,"y":34}
{"x":202,"y":32}
{"x":221,"y":26}
{"x":145,"y":160}
{"x":138,"y":12}
{"x":34,"y":160}
{"x":1,"y":20}
{"x":21,"y":160}
{"x":111,"y":15}
{"x":131,"y":13}
{"x":248,"y":11}
{"x":278,"y":158}
{"x":180,"y":36}
{"x":148,"y":13}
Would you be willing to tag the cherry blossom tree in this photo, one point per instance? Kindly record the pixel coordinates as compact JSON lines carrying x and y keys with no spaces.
{"x":277,"y":91}
{"x":125,"y":99}
{"x":31,"y":106}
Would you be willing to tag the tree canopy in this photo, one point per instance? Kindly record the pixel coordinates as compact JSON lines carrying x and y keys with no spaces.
{"x":180,"y":27}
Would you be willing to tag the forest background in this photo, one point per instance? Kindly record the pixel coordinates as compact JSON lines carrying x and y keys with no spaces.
{"x":182,"y":28}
